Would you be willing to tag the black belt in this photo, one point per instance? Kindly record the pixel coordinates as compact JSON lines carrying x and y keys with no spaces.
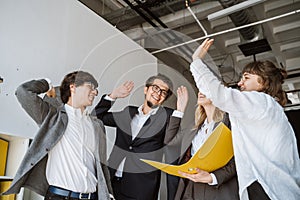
{"x":68,"y":193}
{"x":117,"y":178}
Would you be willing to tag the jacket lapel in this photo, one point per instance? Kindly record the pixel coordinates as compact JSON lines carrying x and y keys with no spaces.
{"x":187,"y":141}
{"x":148,"y":129}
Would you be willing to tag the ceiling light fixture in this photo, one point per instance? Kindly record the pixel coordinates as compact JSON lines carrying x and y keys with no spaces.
{"x":227,"y":31}
{"x":232,"y":9}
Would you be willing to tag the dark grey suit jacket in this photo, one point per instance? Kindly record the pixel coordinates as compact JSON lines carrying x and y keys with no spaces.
{"x":53,"y":122}
{"x":227,"y":188}
{"x":139,"y":180}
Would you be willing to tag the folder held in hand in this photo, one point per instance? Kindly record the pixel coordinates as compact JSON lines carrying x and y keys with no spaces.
{"x":214,"y":154}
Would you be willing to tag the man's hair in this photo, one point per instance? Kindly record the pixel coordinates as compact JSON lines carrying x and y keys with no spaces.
{"x":271,"y":78}
{"x":77,"y":78}
{"x":163,"y":78}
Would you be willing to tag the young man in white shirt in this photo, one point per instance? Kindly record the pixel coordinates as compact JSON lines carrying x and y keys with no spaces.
{"x":67,"y":158}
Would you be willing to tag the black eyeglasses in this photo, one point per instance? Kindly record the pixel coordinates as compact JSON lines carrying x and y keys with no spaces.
{"x":91,"y":86}
{"x":161,"y":92}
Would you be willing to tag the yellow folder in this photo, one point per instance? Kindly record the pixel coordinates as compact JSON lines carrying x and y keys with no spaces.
{"x":3,"y":155}
{"x":214,"y":154}
{"x":4,"y":185}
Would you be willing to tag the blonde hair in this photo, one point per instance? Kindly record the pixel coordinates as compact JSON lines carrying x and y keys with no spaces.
{"x":200,"y":116}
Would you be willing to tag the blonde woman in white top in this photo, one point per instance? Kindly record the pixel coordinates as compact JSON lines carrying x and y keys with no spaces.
{"x":220,"y":184}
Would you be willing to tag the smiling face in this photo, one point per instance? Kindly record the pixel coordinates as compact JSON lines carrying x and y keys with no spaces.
{"x":83,"y":95}
{"x":155,"y":94}
{"x":250,"y":82}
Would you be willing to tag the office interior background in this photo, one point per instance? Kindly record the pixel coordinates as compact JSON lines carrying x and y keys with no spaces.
{"x":118,"y":40}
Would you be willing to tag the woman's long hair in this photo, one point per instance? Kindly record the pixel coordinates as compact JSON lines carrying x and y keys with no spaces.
{"x":200,"y":116}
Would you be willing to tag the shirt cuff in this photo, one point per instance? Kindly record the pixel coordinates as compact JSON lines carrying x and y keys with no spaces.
{"x":49,"y":83}
{"x":215,"y":181}
{"x":111,"y":197}
{"x":108,"y":98}
{"x":177,"y":113}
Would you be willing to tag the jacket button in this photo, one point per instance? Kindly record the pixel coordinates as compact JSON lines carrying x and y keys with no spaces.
{"x":47,"y":149}
{"x":130,"y":147}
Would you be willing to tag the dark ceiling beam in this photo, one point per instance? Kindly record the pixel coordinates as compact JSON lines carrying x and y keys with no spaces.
{"x":149,"y":12}
{"x":96,"y":6}
{"x":138,"y":11}
{"x":170,"y":36}
{"x":123,"y":23}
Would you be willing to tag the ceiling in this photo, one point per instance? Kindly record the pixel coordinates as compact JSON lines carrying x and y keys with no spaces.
{"x":243,"y":31}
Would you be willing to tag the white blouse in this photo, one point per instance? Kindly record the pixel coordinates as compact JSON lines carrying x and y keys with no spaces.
{"x":203,"y":133}
{"x":264,"y":142}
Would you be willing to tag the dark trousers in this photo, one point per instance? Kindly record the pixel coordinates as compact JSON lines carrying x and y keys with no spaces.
{"x":116,"y":186}
{"x":172,"y":184}
{"x":256,"y":192}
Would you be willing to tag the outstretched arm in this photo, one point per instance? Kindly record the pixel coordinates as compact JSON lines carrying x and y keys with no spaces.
{"x":102,"y":108}
{"x":122,"y":91}
{"x":28,"y":96}
{"x":172,"y":131}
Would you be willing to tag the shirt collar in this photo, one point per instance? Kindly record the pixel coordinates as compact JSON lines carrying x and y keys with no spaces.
{"x":208,"y":125}
{"x":75,"y":111}
{"x":151,"y":112}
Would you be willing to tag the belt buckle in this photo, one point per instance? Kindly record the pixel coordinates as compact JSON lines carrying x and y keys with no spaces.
{"x":81,"y":196}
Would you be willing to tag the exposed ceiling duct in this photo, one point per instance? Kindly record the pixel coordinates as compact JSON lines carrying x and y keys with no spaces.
{"x":241,"y":29}
{"x":254,"y":41}
{"x":142,"y":8}
{"x":240,"y":18}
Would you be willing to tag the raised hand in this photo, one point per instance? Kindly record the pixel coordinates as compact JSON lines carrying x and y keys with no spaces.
{"x":123,"y":90}
{"x":182,"y":98}
{"x":51,"y":93}
{"x":202,"y":49}
{"x":201,"y":176}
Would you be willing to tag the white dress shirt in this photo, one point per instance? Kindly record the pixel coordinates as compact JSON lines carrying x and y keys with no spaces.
{"x":71,"y":163}
{"x":264,"y":142}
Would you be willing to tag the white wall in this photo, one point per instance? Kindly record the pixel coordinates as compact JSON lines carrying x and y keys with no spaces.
{"x":49,"y":38}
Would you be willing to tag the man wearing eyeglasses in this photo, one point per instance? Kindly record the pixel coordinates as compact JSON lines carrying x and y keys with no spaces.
{"x":67,"y":158}
{"x":140,"y":134}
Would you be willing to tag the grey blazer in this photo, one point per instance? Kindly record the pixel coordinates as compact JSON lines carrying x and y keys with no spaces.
{"x":52,"y":121}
